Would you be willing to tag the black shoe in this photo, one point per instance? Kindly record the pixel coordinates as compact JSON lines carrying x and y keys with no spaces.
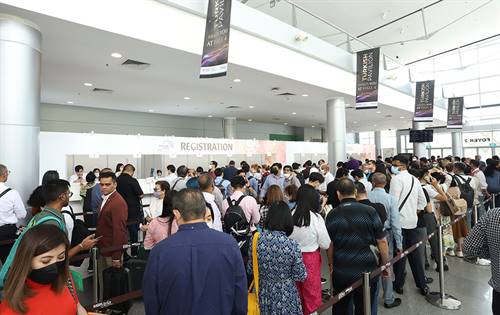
{"x":427,"y":265}
{"x":445,"y":267}
{"x":396,"y":303}
{"x":428,"y":280}
{"x":424,"y":291}
{"x":398,"y":290}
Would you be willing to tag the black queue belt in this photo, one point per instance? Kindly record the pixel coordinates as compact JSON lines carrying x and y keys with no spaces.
{"x":335,"y":299}
{"x":116,"y":300}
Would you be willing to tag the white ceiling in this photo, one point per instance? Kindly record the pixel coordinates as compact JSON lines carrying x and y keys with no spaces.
{"x":74,"y":54}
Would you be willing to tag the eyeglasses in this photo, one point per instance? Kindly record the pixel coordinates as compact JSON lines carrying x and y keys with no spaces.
{"x":70,"y":194}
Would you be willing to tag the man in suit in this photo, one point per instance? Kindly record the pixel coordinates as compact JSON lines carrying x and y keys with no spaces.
{"x":111,"y":225}
{"x":129,"y":188}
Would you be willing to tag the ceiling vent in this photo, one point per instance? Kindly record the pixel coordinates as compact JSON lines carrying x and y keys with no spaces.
{"x":135,"y":65}
{"x":286,"y":94}
{"x":99,"y":90}
{"x":232,"y":107}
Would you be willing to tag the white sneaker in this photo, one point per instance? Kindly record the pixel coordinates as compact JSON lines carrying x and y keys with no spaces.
{"x":451,"y":253}
{"x":460,"y":254}
{"x":483,"y":262}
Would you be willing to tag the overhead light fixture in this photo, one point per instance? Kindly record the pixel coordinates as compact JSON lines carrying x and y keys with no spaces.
{"x":374,"y":125}
{"x":286,"y":124}
{"x":294,"y":113}
{"x":354,"y":122}
{"x":69,"y":102}
{"x":236,"y":80}
{"x":313,"y":126}
{"x":250,"y":120}
{"x":379,"y":112}
{"x":87,"y":84}
{"x":151,"y":110}
{"x":402,"y":117}
{"x":116,"y":55}
{"x":305,"y":95}
{"x":251,"y":106}
{"x":187,"y":98}
{"x":210,"y":116}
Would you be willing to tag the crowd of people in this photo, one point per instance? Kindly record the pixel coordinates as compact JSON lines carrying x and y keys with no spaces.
{"x":200,"y":226}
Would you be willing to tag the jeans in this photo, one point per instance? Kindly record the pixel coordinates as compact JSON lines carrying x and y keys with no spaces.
{"x":356,"y":296}
{"x":410,"y":237}
{"x":387,"y":282}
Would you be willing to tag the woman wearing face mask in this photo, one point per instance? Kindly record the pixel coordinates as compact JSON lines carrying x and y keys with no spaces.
{"x":163,"y":226}
{"x":38,"y":281}
{"x":290,"y":177}
{"x":156,"y":205}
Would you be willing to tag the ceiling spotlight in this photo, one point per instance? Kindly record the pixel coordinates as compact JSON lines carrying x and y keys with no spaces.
{"x":402,"y":117}
{"x":210,"y":116}
{"x":187,"y":98}
{"x":379,"y":112}
{"x":116,"y":55}
{"x":151,"y":110}
{"x":305,"y":95}
{"x":237,"y":80}
{"x":286,"y":124}
{"x":294,"y":113}
{"x":250,"y":120}
{"x":313,"y":126}
{"x":251,"y":106}
{"x":374,"y":125}
{"x":87,"y":84}
{"x":69,"y":102}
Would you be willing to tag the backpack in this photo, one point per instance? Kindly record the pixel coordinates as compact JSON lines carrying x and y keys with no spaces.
{"x":80,"y":232}
{"x":466,"y":191}
{"x":235,"y":221}
{"x":300,"y":177}
{"x":456,"y":205}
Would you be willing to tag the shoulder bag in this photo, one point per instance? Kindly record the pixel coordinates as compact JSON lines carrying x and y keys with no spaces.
{"x":253,"y":297}
{"x":409,"y":193}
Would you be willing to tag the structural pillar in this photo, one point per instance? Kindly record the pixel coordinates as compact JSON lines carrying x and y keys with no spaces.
{"x":378,"y":143}
{"x":457,"y":146}
{"x":20,"y":55}
{"x":419,"y":149}
{"x":229,"y":127}
{"x":336,"y":130}
{"x":398,"y":142}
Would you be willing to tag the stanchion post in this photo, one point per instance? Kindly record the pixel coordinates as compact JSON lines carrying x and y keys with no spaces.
{"x":441,"y":262}
{"x":367,"y":305}
{"x":493,"y":197}
{"x":95,"y":278}
{"x":475,"y":214}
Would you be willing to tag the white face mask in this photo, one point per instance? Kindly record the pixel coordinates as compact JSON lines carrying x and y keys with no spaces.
{"x":210,"y":225}
{"x":287,"y":175}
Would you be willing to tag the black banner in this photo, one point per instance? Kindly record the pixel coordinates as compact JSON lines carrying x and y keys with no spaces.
{"x":424,"y":101}
{"x":367,"y":68}
{"x":216,"y":45}
{"x":455,"y":112}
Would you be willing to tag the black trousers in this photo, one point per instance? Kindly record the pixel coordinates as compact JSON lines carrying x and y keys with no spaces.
{"x":410,"y":237}
{"x":345,"y":305}
{"x":496,"y":303}
{"x":7,"y":232}
{"x":133,"y":236}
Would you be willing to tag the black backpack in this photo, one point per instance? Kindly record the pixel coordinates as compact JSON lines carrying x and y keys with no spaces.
{"x":235,"y":221}
{"x":466,"y":191}
{"x":80,"y":232}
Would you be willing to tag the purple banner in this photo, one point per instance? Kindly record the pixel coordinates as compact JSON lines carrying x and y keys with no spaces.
{"x":367,"y":68}
{"x":455,"y":112}
{"x":424,"y":101}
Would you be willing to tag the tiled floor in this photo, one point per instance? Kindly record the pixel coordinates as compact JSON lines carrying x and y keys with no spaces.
{"x":466,"y":282}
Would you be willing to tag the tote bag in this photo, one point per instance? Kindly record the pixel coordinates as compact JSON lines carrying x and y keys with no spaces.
{"x":253,"y":297}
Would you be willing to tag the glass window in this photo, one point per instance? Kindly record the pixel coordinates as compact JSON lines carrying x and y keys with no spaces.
{"x":447,"y":152}
{"x":470,"y":152}
{"x":485,"y":153}
{"x":436,"y":152}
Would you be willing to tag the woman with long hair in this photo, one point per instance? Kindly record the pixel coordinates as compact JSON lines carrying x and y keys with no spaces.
{"x":310,"y":233}
{"x":273,"y":194}
{"x":38,"y":281}
{"x":163,"y":226}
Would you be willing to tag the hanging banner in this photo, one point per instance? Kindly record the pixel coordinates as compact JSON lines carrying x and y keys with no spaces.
{"x":216,"y":45}
{"x":424,"y":101}
{"x":367,"y":68}
{"x":455,"y":112}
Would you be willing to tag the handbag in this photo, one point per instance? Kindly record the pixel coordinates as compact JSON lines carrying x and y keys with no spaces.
{"x":253,"y":297}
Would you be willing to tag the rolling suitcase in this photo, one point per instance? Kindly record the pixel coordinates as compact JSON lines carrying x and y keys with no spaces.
{"x":136,"y":269}
{"x":117,"y":282}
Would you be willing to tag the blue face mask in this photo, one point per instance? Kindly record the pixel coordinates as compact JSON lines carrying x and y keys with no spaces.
{"x":394,"y":170}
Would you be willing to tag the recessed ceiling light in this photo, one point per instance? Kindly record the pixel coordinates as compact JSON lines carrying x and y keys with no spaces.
{"x":305,"y":95}
{"x":116,"y":55}
{"x":294,"y":113}
{"x":379,"y":112}
{"x":151,"y":110}
{"x":286,"y":124}
{"x":313,"y":126}
{"x":187,"y":98}
{"x":237,"y":80}
{"x":69,"y":102}
{"x":402,"y":117}
{"x":354,"y":122}
{"x":374,"y":125}
{"x":210,"y":116}
{"x":251,"y":106}
{"x":250,"y":120}
{"x":87,"y":84}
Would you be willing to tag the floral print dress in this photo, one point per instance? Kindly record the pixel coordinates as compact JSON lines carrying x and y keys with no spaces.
{"x":280,"y":266}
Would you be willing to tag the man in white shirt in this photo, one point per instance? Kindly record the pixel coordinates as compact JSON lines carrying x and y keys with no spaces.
{"x":407,"y":190}
{"x":181,"y":180}
{"x":482,"y":193}
{"x":171,"y":176}
{"x":325,"y":171}
{"x":359,"y":176}
{"x":12,"y":210}
{"x":461,"y":178}
{"x":77,"y":178}
{"x":207,"y":187}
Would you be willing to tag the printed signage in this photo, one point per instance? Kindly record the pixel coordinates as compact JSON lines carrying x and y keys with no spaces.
{"x":216,"y":45}
{"x":455,"y":112}
{"x":196,"y":146}
{"x":424,"y":101}
{"x":367,"y":68}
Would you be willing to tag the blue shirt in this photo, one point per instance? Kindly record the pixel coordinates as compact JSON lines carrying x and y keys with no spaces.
{"x":195,"y":271}
{"x":96,"y":199}
{"x":272,"y":180}
{"x":392,"y":224}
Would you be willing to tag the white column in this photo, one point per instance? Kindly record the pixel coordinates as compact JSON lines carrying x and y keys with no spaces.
{"x":20,"y":55}
{"x":229,"y":127}
{"x":378,"y":143}
{"x":457,"y":146}
{"x":336,"y":130}
{"x":419,"y":149}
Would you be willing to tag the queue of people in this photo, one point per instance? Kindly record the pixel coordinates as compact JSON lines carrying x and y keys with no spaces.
{"x":200,"y":227}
